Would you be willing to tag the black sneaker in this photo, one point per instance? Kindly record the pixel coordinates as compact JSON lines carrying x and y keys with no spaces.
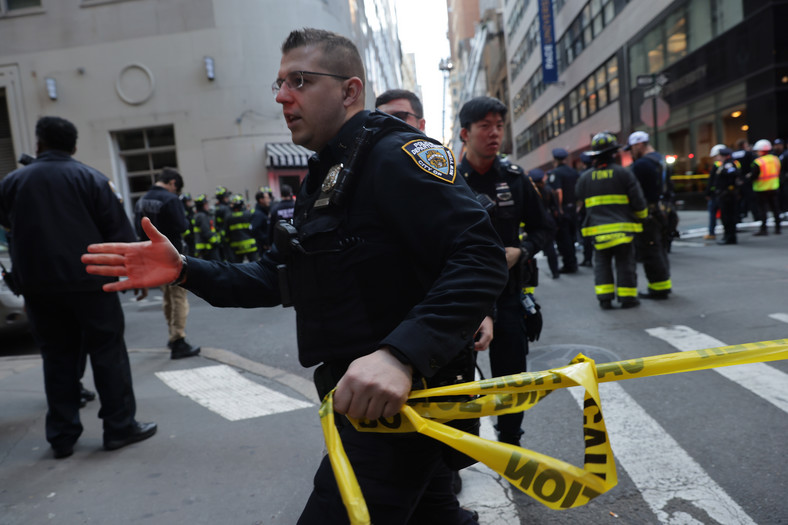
{"x":180,"y":349}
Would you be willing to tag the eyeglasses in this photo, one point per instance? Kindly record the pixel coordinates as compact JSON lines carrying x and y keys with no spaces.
{"x":403,"y":115}
{"x":295,"y":80}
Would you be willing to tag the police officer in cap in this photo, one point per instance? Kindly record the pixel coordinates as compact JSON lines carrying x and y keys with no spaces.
{"x":562,"y":178}
{"x":386,"y":300}
{"x":727,"y":177}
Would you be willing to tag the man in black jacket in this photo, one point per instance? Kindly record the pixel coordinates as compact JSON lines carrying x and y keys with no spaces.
{"x":55,"y":207}
{"x":384,"y":296}
{"x":512,"y":200}
{"x":165,"y":210}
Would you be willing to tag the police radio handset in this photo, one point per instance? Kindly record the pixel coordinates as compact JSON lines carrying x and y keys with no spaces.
{"x":346,"y":176}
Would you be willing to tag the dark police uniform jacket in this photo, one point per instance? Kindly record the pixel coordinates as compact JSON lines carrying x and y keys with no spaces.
{"x":564,"y":178}
{"x":411,"y":261}
{"x":165,"y":211}
{"x":67,"y":205}
{"x":516,"y":202}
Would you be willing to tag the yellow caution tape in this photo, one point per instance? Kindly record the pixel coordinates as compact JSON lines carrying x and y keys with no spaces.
{"x":555,"y":483}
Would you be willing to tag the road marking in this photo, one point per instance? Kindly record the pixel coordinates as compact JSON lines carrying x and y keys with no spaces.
{"x":759,"y":378}
{"x":780,"y":317}
{"x":224,"y":391}
{"x":663,"y":472}
{"x":485,"y":491}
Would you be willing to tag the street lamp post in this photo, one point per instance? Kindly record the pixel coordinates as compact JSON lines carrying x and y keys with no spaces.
{"x":446,"y":66}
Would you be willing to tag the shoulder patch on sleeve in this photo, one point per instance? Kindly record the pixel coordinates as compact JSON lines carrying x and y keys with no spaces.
{"x":432,"y":158}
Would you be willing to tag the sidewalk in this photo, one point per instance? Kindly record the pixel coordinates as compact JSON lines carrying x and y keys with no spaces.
{"x":196,"y":469}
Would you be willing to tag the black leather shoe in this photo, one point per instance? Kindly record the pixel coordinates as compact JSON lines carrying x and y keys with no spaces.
{"x":571,"y":269}
{"x":138,"y":432}
{"x":653,"y":295}
{"x":472,"y":513}
{"x":630,"y":303}
{"x":62,"y":451}
{"x":180,"y":349}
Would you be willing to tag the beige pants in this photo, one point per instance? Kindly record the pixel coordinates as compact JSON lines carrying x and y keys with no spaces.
{"x":176,"y":309}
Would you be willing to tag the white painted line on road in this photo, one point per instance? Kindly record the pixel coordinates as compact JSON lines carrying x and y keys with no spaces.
{"x":485,"y":491}
{"x":224,"y":391}
{"x":662,"y":471}
{"x":780,"y":317}
{"x":759,"y":378}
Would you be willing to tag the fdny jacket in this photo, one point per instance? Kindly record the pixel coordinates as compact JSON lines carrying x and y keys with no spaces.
{"x":410,"y":261}
{"x":88,"y":211}
{"x":614,"y":202}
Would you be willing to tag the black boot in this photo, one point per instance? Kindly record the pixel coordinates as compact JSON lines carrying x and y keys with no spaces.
{"x":180,"y":349}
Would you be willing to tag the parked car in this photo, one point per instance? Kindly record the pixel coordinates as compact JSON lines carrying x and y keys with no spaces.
{"x":13,"y":317}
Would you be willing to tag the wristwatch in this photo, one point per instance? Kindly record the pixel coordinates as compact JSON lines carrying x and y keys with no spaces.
{"x":181,"y":276}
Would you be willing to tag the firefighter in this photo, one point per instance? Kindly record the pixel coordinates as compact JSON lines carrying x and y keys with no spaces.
{"x":614,"y":205}
{"x":206,"y":240}
{"x":221,"y":213}
{"x":239,"y":231}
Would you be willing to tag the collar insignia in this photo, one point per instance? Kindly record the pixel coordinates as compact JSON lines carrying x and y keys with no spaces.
{"x":432,"y":158}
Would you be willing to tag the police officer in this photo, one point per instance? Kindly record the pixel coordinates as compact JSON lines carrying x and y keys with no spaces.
{"x":727,"y":180}
{"x":765,"y":175}
{"x":563,"y":178}
{"x":260,"y":216}
{"x":55,"y":207}
{"x":164,"y":209}
{"x":239,"y":231}
{"x":650,"y":245}
{"x":206,"y":240}
{"x":744,"y":156}
{"x":511,"y":199}
{"x":551,"y":206}
{"x":382,"y":297}
{"x":614,"y":206}
{"x":281,"y":210}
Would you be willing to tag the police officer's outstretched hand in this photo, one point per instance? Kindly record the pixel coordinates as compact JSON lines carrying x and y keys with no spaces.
{"x":146,"y":264}
{"x":374,"y":386}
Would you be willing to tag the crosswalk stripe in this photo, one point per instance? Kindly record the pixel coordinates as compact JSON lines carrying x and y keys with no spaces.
{"x":484,"y":491}
{"x":660,"y":468}
{"x":224,"y":391}
{"x":780,"y":317}
{"x":759,"y":378}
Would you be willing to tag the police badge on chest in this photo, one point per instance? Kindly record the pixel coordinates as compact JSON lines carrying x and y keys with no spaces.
{"x":503,"y":194}
{"x":329,"y":183}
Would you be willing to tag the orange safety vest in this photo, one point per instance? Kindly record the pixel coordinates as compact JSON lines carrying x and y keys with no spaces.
{"x":769,"y":178}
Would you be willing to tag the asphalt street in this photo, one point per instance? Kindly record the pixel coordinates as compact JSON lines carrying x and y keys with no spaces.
{"x":239,"y":436}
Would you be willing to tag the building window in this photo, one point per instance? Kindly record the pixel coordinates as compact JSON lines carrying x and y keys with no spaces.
{"x":592,"y":94}
{"x":144,"y":153}
{"x":16,"y":5}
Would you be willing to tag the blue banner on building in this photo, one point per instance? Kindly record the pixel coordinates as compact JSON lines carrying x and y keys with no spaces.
{"x":549,"y":59}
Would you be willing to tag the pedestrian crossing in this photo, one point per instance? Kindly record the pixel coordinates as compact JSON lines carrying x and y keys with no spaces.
{"x":673,"y":484}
